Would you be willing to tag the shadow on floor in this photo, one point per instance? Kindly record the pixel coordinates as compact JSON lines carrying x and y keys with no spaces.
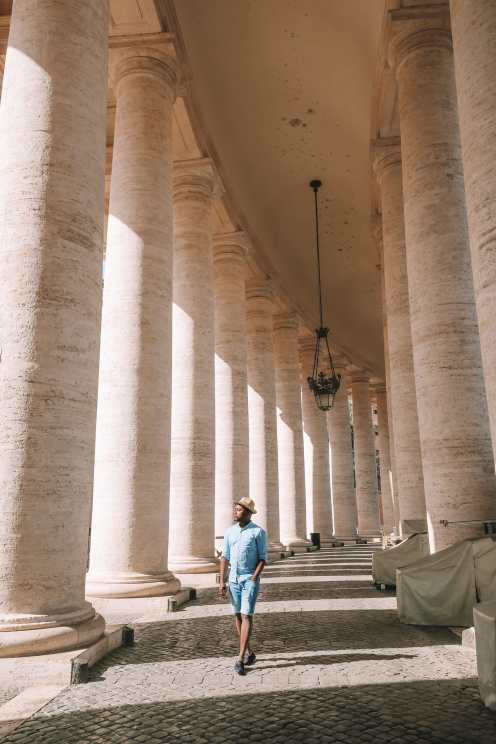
{"x":434,"y":712}
{"x":325,"y":660}
{"x":288,"y":632}
{"x":296,"y":591}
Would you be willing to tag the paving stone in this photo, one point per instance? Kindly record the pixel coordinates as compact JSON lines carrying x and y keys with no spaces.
{"x":323,"y":674}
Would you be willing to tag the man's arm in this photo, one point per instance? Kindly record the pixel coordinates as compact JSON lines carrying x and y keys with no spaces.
{"x":260,"y":567}
{"x":222,"y":574}
{"x":262,"y":554}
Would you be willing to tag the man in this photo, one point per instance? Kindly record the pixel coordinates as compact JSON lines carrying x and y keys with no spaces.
{"x":245,"y":549}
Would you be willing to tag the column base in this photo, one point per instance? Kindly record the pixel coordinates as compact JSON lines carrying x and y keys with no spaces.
{"x":276,"y":551}
{"x":190,"y":564}
{"x":364,"y":539}
{"x":51,"y":638}
{"x":298,"y":544}
{"x":131,"y":585}
{"x":331,"y":542}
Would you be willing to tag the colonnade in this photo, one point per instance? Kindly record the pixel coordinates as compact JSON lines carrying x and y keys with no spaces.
{"x":439,"y":277}
{"x":183,"y":363}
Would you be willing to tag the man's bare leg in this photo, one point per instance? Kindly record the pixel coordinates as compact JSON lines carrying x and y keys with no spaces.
{"x":244,"y":635}
{"x":238,"y":622}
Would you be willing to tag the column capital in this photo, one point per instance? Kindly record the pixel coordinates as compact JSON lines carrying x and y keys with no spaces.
{"x":415,"y":29}
{"x":386,"y":154}
{"x":378,"y":387}
{"x":306,"y":345}
{"x":129,"y":55}
{"x":358,"y":375}
{"x":259,"y":289}
{"x":233,"y":246}
{"x":287,"y":321}
{"x":196,"y":178}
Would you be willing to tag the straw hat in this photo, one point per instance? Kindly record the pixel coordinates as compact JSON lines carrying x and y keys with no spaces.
{"x":247,"y":504}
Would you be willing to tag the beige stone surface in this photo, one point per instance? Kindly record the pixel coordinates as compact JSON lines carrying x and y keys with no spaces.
{"x":453,"y":420}
{"x":191,"y":535}
{"x":231,"y":396}
{"x":473,"y":25}
{"x":367,"y":497}
{"x":262,"y":418}
{"x":316,"y":450}
{"x":344,"y":506}
{"x":51,"y":237}
{"x":132,"y":462}
{"x":24,"y":705}
{"x":384,"y":459}
{"x":408,"y":458}
{"x":291,"y":465}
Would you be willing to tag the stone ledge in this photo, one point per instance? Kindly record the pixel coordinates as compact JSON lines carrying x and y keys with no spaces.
{"x":24,"y":705}
{"x":39,"y":679}
{"x":142,"y":609}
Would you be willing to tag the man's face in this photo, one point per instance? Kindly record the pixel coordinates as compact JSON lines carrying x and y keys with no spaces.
{"x":240,"y":513}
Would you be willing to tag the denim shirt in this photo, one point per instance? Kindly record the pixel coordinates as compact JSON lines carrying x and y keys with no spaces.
{"x":244,"y":548}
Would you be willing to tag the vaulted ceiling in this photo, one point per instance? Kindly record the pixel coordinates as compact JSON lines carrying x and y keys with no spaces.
{"x":284,"y":89}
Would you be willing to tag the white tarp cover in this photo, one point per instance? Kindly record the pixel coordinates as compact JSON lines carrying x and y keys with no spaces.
{"x":385,"y":562}
{"x":441,"y":589}
{"x":412,"y":526}
{"x":485,"y":647}
{"x":485,"y":575}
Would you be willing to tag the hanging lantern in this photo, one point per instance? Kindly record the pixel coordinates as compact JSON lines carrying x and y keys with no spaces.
{"x":324,"y":382}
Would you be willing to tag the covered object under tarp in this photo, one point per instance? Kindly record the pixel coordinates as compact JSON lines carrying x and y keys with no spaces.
{"x":441,"y":589}
{"x":385,"y":562}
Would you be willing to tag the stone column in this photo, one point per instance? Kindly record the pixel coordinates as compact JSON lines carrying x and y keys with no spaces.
{"x":367,"y":497}
{"x":289,"y":432}
{"x":52,"y":124}
{"x":384,"y":458}
{"x":393,"y":484}
{"x":474,"y":37}
{"x":316,"y":450}
{"x":132,"y":467}
{"x":342,"y":485}
{"x":231,"y":399}
{"x":192,"y":533}
{"x":411,"y":499}
{"x":453,"y":419}
{"x":264,"y":483}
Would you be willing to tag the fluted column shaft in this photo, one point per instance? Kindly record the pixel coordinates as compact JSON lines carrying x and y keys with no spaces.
{"x":367,"y":497}
{"x":291,"y":465}
{"x":263,"y":475}
{"x":411,"y":499}
{"x":384,"y":459}
{"x":316,"y":450}
{"x":132,"y":465}
{"x":343,"y":496}
{"x":453,"y":419}
{"x":191,"y":535}
{"x":231,"y":399}
{"x":52,"y":124}
{"x":473,"y":25}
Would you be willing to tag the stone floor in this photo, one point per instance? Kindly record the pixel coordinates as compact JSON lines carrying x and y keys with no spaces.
{"x":334,"y":665}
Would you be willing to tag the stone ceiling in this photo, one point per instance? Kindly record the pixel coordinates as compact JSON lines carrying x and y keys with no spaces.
{"x":284,"y":89}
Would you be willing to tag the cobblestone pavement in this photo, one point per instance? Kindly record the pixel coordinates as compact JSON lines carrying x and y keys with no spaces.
{"x":334,"y":665}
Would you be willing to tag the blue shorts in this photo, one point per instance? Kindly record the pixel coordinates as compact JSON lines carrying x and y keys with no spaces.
{"x":244,"y":596}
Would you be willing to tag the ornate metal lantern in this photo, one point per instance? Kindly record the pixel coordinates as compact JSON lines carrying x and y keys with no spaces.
{"x":324,"y":382}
